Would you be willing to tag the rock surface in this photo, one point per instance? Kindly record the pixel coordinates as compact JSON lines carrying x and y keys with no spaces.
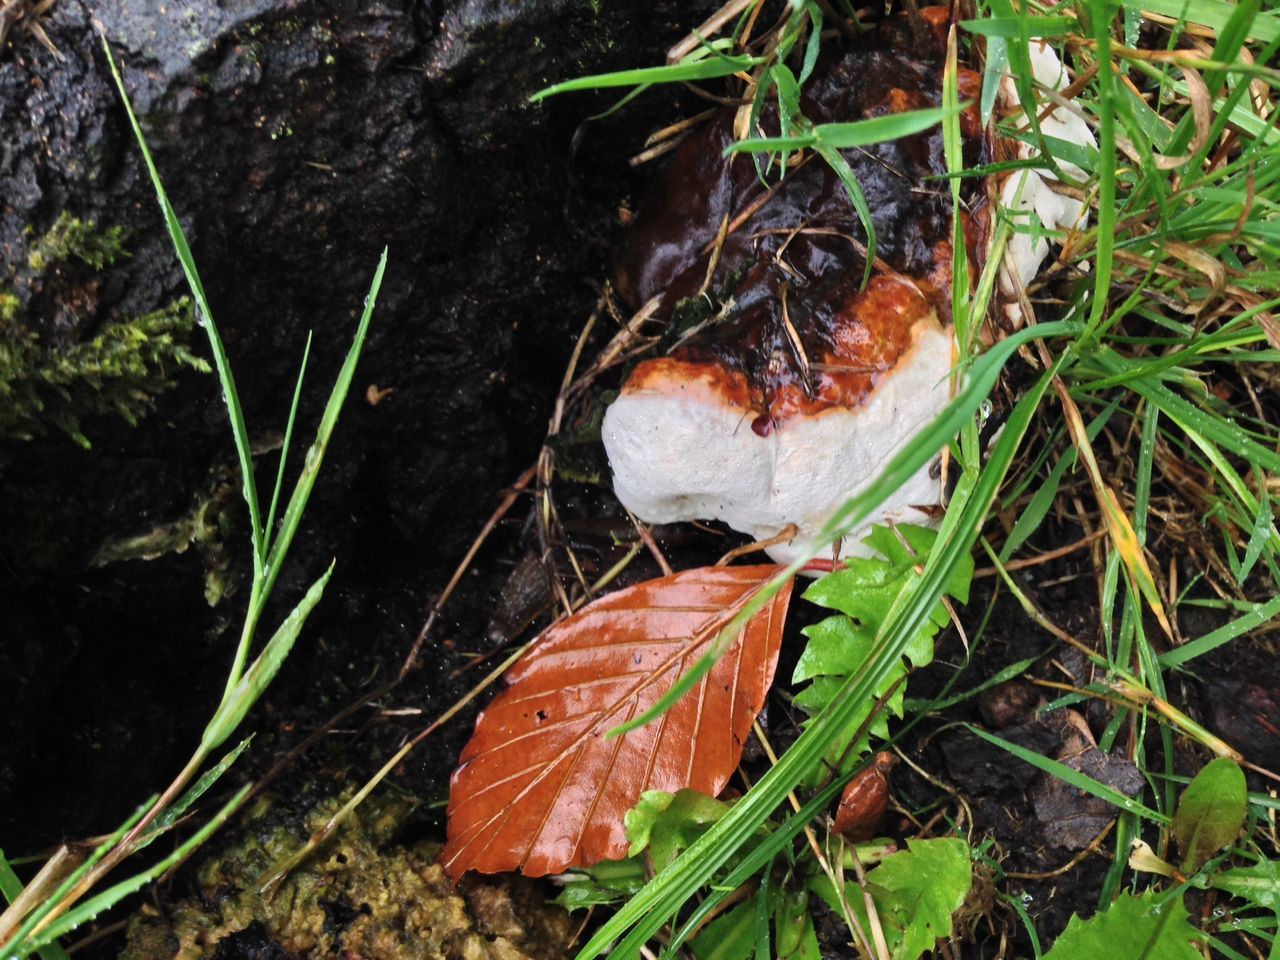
{"x":296,"y":138}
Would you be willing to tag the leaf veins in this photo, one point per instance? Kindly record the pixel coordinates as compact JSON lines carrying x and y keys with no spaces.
{"x":540,"y":789}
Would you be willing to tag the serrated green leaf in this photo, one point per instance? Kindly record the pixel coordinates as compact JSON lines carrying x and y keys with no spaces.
{"x":1149,"y":927}
{"x":1258,"y":884}
{"x":920,"y":888}
{"x":1210,"y":813}
{"x":865,"y":593}
{"x":833,"y":644}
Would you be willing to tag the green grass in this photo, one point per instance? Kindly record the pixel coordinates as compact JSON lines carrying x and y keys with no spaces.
{"x":1153,"y":405}
{"x":57,"y":909}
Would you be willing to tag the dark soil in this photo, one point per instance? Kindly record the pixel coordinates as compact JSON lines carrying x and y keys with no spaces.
{"x":296,"y":139}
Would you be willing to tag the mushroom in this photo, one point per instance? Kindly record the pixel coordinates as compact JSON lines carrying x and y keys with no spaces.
{"x":686,"y":438}
{"x":1032,"y":190}
{"x":783,"y":386}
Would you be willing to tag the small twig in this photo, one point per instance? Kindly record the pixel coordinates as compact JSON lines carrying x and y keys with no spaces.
{"x":785,"y":535}
{"x":512,"y":494}
{"x":1045,"y":557}
{"x":1075,"y":861}
{"x":647,"y":539}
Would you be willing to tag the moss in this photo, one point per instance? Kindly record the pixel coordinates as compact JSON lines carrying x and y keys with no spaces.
{"x":72,"y":237}
{"x":206,"y":526}
{"x":9,"y":307}
{"x":361,"y":895}
{"x":118,"y":371}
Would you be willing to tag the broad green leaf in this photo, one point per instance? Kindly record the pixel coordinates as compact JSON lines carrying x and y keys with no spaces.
{"x":729,"y":937}
{"x":1210,"y":813}
{"x":1149,"y":927}
{"x":793,"y":932}
{"x":920,"y":888}
{"x":667,"y":823}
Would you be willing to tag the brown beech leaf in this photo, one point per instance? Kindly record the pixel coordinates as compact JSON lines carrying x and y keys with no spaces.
{"x":540,"y":789}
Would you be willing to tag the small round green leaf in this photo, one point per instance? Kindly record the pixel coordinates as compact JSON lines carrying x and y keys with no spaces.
{"x":1210,"y":813}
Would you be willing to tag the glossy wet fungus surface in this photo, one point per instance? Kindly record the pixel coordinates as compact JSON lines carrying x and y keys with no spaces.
{"x":795,"y":251}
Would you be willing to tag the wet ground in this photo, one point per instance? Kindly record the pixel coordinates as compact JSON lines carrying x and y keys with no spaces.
{"x":110,"y":671}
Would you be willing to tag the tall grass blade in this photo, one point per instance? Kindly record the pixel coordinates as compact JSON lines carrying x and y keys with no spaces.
{"x":269,"y":526}
{"x":178,"y":237}
{"x":18,"y":944}
{"x":1075,"y":778}
{"x":11,"y":888}
{"x":90,"y":909}
{"x":721,"y":65}
{"x":263,"y":670}
{"x":328,"y":420}
{"x":198,"y":789}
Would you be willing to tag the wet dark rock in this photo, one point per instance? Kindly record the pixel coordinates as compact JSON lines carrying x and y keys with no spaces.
{"x":296,"y":138}
{"x":1007,"y":703}
{"x":1071,"y":818}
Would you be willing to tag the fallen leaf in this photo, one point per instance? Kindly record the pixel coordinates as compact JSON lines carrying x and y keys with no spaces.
{"x":540,"y":789}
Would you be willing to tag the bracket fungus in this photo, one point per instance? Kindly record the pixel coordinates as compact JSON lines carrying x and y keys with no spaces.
{"x":782,"y":383}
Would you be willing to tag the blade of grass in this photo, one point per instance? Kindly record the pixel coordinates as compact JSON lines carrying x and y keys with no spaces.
{"x":18,"y":944}
{"x":1215,"y":14}
{"x":90,"y":909}
{"x":1118,"y":524}
{"x":194,"y":793}
{"x":284,"y":446}
{"x":1073,"y":777}
{"x":709,"y":68}
{"x":263,"y":671}
{"x":857,"y":133}
{"x":11,"y":887}
{"x":1104,"y":247}
{"x":178,"y":237}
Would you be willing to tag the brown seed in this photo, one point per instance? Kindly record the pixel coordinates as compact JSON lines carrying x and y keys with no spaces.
{"x":865,"y":799}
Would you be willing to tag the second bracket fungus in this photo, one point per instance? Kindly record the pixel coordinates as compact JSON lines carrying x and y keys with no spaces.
{"x":783,"y":384}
